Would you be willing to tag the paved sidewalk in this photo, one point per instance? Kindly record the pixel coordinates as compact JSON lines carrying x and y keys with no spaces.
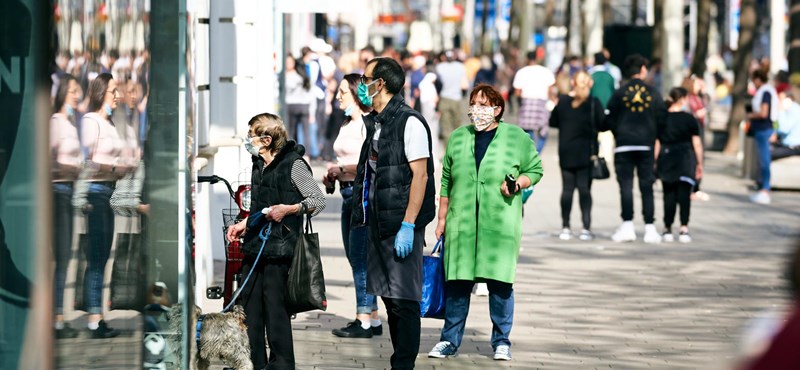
{"x":579,"y":305}
{"x":599,"y":304}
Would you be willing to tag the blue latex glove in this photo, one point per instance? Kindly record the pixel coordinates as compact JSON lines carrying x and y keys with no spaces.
{"x":404,"y":241}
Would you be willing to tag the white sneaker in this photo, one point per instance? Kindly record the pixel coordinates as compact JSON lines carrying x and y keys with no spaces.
{"x":443,"y":350}
{"x":566,"y":234}
{"x":625,"y":233}
{"x":684,"y":237}
{"x":667,"y":236}
{"x":761,"y":197}
{"x":586,"y":235}
{"x":502,"y":353}
{"x":481,"y":290}
{"x":651,"y":234}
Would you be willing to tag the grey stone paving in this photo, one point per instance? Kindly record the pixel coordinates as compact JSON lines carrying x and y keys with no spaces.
{"x":598,"y":304}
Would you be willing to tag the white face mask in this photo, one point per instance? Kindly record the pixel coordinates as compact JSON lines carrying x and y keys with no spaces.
{"x":481,"y":116}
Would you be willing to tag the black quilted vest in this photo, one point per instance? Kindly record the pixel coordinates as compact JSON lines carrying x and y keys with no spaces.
{"x":272,"y":185}
{"x":393,"y":174}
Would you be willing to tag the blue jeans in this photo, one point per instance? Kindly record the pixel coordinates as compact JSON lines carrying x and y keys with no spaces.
{"x":309,"y":140}
{"x":538,"y":139}
{"x":762,"y":146}
{"x":62,"y":238}
{"x":501,"y":310}
{"x":100,"y":232}
{"x":355,"y":248}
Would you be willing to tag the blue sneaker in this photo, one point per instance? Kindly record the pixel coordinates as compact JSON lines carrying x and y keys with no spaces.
{"x":443,"y":350}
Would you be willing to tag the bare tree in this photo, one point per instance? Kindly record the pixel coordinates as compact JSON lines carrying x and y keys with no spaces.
{"x":549,"y":13}
{"x":567,"y":23}
{"x":634,"y":11}
{"x":484,"y":18}
{"x":658,"y":30}
{"x":701,"y":46}
{"x":794,"y":32}
{"x":741,"y":64}
{"x":608,"y":13}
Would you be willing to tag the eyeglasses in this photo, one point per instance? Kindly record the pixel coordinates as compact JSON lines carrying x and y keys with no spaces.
{"x":250,"y":136}
{"x":113,"y":92}
{"x":364,"y":79}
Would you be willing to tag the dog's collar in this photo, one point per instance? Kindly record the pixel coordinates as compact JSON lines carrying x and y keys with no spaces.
{"x":198,"y":329}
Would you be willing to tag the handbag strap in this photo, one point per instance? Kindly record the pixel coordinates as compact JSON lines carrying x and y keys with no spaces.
{"x":439,"y":245}
{"x":309,"y":226}
{"x":594,"y":129}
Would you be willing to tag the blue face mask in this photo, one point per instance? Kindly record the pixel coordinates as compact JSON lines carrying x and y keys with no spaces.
{"x":349,"y":110}
{"x":363,"y":93}
{"x":70,"y":110}
{"x":108,"y":110}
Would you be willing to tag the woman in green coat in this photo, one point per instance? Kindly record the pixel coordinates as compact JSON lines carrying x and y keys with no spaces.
{"x":481,"y":217}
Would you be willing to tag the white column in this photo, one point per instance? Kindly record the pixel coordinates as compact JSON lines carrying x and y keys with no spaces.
{"x":777,"y":35}
{"x":673,"y":45}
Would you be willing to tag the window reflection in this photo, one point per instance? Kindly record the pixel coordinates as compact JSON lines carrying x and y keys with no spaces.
{"x":104,"y":305}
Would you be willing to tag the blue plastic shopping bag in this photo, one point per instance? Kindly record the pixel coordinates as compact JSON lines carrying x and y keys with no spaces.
{"x":432,"y":304}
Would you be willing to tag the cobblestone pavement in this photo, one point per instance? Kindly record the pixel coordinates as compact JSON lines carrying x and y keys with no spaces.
{"x":598,"y":304}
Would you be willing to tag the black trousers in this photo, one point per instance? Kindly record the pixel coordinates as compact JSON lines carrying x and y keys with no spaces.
{"x":263,"y":301}
{"x":676,"y":193}
{"x":780,"y":152}
{"x":404,"y":329}
{"x":580,"y":178}
{"x":643,"y":162}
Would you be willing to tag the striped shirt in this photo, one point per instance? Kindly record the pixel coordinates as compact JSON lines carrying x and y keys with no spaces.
{"x":304,"y":182}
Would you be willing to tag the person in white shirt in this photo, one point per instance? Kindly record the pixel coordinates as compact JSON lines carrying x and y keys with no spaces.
{"x":453,"y":76}
{"x":532,"y":83}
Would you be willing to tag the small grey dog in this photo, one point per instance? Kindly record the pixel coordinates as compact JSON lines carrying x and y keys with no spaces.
{"x":223,"y":335}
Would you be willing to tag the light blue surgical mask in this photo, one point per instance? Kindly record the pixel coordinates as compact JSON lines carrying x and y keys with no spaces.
{"x":251,"y":148}
{"x":70,"y":110}
{"x":363,"y":93}
{"x":108,"y":109}
{"x":349,"y":110}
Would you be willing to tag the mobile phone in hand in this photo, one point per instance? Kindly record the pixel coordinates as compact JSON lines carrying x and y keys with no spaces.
{"x":511,"y":183}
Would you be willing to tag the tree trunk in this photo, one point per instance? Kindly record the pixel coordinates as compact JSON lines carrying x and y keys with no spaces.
{"x":794,"y":37}
{"x":608,"y":13}
{"x":567,"y":22}
{"x":549,"y":13}
{"x":741,"y":64}
{"x":634,"y":11}
{"x":484,"y":18}
{"x":658,"y":30}
{"x":584,"y":29}
{"x":701,"y":46}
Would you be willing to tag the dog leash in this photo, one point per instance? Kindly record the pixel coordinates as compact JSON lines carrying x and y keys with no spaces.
{"x":264,"y":236}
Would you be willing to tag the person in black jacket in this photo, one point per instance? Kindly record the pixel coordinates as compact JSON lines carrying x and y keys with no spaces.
{"x":634,"y":111}
{"x":394,"y":188}
{"x":577,"y":118}
{"x":275,"y":159}
{"x":679,"y":158}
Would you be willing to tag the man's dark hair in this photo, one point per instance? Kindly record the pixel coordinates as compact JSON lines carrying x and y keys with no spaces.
{"x":761,"y":75}
{"x":390,"y":72}
{"x":633,"y":64}
{"x":599,"y":59}
{"x":531,"y":56}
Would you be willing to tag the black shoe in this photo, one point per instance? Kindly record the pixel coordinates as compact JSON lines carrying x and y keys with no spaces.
{"x":353,"y":330}
{"x":66,"y":333}
{"x":377,"y":330}
{"x":103,"y":331}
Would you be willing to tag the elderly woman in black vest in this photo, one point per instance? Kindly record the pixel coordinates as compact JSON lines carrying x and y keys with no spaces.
{"x":275,"y":159}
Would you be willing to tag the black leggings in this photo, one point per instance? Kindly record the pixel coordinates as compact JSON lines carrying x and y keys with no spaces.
{"x":582,"y":179}
{"x":675,"y":193}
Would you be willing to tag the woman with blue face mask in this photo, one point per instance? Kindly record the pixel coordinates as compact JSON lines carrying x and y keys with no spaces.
{"x":66,"y":160}
{"x":347,"y":148}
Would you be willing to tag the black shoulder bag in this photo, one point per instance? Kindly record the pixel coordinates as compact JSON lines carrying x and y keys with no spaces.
{"x":599,"y":166}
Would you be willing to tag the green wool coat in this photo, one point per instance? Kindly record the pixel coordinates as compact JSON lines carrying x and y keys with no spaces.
{"x":486,"y":247}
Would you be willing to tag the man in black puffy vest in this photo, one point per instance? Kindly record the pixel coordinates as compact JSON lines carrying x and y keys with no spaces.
{"x":394,"y":186}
